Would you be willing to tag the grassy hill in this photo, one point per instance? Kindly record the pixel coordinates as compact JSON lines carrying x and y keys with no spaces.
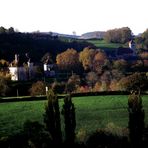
{"x":105,"y":45}
{"x":109,"y":48}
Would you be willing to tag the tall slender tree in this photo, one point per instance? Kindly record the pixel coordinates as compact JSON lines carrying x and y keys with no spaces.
{"x":136,"y":118}
{"x":68,"y":112}
{"x":52,"y":118}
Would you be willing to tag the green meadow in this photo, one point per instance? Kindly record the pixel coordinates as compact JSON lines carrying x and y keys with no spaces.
{"x":92,"y":112}
{"x":104,"y":45}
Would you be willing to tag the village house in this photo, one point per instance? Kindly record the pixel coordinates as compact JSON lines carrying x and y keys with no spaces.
{"x":21,"y":69}
{"x":126,"y":52}
{"x":49,"y":67}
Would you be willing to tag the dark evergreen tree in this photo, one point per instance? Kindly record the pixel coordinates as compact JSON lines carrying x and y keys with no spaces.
{"x":52,"y":118}
{"x":136,"y":118}
{"x":68,"y":112}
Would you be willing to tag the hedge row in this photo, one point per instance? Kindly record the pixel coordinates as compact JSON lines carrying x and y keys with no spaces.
{"x":30,"y":98}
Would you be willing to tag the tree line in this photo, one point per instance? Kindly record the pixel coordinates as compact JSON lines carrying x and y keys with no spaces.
{"x":124,"y":34}
{"x":89,"y":69}
{"x":118,"y":35}
{"x":36,"y":44}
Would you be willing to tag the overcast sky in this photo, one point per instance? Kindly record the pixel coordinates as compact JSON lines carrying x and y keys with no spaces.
{"x":81,"y":16}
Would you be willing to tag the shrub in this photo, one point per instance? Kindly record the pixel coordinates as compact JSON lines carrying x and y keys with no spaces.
{"x":73,"y":83}
{"x":116,"y":130}
{"x":81,"y":136}
{"x":97,"y":86}
{"x":38,"y":88}
{"x":3,"y":86}
{"x":103,"y":139}
{"x":58,"y":87}
{"x":83,"y":89}
{"x":35,"y":134}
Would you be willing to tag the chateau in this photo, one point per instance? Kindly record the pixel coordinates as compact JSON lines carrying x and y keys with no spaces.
{"x":21,"y":70}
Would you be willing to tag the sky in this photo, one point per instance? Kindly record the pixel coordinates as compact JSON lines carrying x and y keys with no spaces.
{"x":79,"y":16}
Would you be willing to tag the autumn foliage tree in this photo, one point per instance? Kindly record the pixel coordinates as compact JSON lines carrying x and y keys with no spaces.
{"x":120,"y":35}
{"x":144,"y":55}
{"x":93,"y":60}
{"x":120,"y":65}
{"x":99,"y":61}
{"x":116,"y":75}
{"x":37,"y":88}
{"x":136,"y":80}
{"x":114,"y":85}
{"x":4,"y":72}
{"x":73,"y":83}
{"x":91,"y":79}
{"x":3,"y":86}
{"x":3,"y":64}
{"x":86,"y":57}
{"x":68,"y":60}
{"x":105,"y":79}
{"x":142,"y":40}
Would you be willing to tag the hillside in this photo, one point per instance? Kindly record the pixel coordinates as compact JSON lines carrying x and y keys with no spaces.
{"x":109,"y":48}
{"x":105,"y":45}
{"x":36,"y":44}
{"x":93,"y":35}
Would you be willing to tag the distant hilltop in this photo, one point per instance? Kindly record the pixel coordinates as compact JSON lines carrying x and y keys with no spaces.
{"x":88,"y":35}
{"x":93,"y":35}
{"x":61,"y":35}
{"x":85,"y":36}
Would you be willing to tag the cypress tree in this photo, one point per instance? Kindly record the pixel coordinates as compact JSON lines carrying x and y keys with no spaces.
{"x":52,"y":118}
{"x":68,"y":112}
{"x":136,"y":118}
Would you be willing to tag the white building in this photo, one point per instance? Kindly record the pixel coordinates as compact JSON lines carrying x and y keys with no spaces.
{"x":131,"y":45}
{"x":49,"y":69}
{"x":21,"y":72}
{"x":14,"y":73}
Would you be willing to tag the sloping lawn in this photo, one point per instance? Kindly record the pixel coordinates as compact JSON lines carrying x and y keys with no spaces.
{"x":92,"y":112}
{"x":103,"y":44}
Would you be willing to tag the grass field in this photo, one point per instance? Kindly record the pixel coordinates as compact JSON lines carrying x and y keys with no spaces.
{"x":104,"y":45}
{"x":92,"y":112}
